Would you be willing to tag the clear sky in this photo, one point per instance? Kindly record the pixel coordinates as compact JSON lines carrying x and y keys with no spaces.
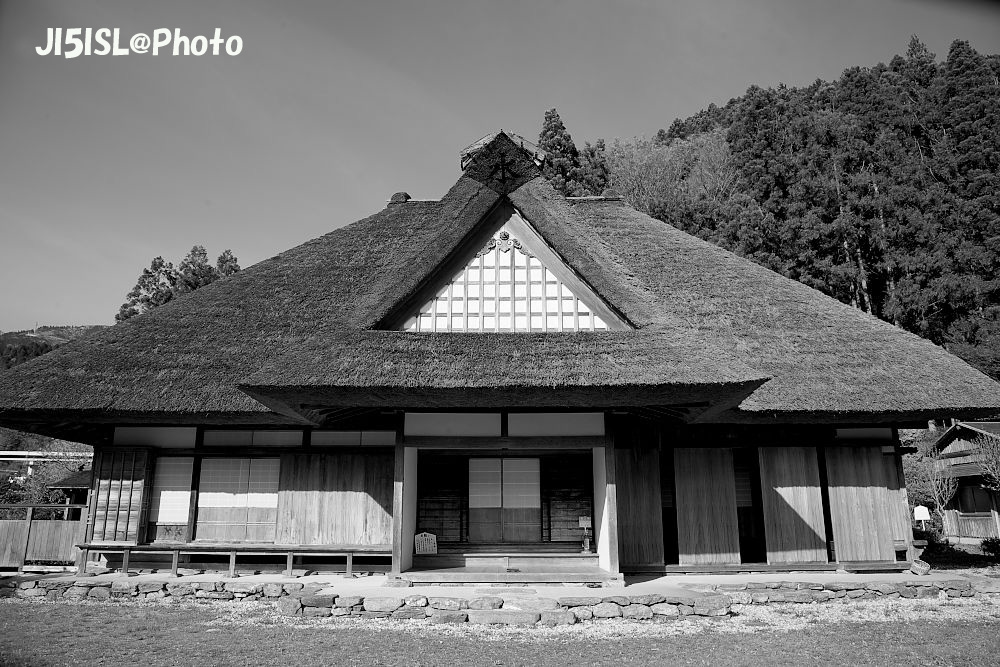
{"x":334,"y":105}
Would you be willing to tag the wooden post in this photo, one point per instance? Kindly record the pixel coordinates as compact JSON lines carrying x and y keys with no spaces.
{"x":995,"y":501}
{"x":232,"y":563}
{"x":126,"y":556}
{"x":27,"y":537}
{"x":95,"y":482}
{"x":174,"y":560}
{"x":404,"y":507}
{"x":195,"y":482}
{"x":350,"y":563}
{"x":397,"y":510}
{"x":611,"y":506}
{"x":84,"y":554}
{"x":289,"y":563}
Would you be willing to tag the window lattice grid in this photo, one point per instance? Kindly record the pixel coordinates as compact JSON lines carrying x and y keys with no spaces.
{"x":505,"y":290}
{"x":171,"y":499}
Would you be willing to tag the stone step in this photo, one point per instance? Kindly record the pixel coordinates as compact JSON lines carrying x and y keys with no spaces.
{"x":503,"y":617}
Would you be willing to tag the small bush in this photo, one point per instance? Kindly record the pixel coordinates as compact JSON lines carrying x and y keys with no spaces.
{"x":991,"y":547}
{"x":933,"y":536}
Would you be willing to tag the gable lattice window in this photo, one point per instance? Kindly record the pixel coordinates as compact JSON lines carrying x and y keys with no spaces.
{"x":505,"y":287}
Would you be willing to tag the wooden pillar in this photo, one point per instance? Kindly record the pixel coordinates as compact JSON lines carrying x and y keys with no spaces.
{"x":404,"y":507}
{"x":189,"y":532}
{"x":95,"y":477}
{"x":27,"y":537}
{"x":606,"y":508}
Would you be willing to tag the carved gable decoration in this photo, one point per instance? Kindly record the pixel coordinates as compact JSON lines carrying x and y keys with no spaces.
{"x":514,"y":282}
{"x":501,"y":164}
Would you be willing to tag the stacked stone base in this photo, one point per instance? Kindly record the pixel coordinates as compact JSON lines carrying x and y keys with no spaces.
{"x":296,"y":599}
{"x":806,"y":592}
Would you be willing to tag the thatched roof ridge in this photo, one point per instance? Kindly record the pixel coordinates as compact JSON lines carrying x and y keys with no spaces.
{"x":704,"y":319}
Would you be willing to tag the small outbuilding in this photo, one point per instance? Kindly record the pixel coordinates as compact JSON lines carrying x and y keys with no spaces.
{"x":555,"y":389}
{"x":972,"y":514}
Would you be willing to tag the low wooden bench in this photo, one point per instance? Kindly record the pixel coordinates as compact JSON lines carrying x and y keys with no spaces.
{"x":188,"y":548}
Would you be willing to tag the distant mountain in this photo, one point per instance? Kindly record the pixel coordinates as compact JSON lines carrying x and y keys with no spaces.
{"x":54,"y":336}
{"x":16,"y":347}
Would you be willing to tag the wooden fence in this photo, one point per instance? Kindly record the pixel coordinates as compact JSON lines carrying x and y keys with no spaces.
{"x":977,"y":525}
{"x":48,"y":540}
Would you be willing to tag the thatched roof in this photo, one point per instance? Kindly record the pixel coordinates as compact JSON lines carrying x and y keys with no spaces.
{"x":967,"y":430}
{"x":707,"y":324}
{"x":81,"y":479}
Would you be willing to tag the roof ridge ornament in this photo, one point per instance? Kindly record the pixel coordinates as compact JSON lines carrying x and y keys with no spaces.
{"x":504,"y":242}
{"x":502,"y":161}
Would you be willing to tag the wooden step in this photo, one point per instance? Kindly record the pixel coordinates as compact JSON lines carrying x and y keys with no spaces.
{"x":510,"y":548}
{"x":461,"y":577}
{"x":507,"y":561}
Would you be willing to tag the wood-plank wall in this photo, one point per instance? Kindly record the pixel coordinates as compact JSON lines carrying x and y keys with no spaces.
{"x":12,"y":535}
{"x":640,"y":523}
{"x":335,"y":499}
{"x":54,"y":540}
{"x":707,"y":524}
{"x":863,"y":502}
{"x":119,"y":502}
{"x":793,"y":505}
{"x":964,"y":525}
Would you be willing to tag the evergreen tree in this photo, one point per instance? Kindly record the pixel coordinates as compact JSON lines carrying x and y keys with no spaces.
{"x":881,"y":188}
{"x":227,"y":264}
{"x":592,"y":174}
{"x":155,"y":287}
{"x":195,"y":271}
{"x":161,"y":282}
{"x":562,"y":161}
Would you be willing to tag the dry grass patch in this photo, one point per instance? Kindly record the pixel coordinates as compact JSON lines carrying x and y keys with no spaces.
{"x":871,"y":632}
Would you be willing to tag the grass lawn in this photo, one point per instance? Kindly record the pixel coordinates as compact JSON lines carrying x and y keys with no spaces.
{"x":901,"y":632}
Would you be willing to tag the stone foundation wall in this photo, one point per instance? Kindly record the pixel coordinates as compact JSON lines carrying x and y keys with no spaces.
{"x":296,"y":599}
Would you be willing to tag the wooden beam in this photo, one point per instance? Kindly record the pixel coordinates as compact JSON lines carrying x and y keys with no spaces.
{"x":488,"y":443}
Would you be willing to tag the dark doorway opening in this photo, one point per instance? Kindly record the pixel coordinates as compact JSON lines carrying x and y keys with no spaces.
{"x":749,"y":505}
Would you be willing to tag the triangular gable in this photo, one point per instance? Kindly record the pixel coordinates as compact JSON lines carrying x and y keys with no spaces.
{"x":513,"y":282}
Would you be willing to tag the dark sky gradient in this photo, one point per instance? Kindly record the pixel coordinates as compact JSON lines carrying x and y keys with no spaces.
{"x":333,"y":106}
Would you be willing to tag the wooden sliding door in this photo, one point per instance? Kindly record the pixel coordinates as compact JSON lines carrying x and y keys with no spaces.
{"x":505,"y":500}
{"x":336,"y":498}
{"x":120,"y":497}
{"x":862,"y":507}
{"x":793,"y":505}
{"x":707,"y":523}
{"x":640,"y":525}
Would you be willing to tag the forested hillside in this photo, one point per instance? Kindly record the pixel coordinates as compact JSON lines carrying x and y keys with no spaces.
{"x":881,"y":189}
{"x":16,"y":347}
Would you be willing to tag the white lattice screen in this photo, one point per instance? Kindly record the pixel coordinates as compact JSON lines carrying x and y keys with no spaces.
{"x":238,"y":499}
{"x":171,"y":499}
{"x":505,"y":288}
